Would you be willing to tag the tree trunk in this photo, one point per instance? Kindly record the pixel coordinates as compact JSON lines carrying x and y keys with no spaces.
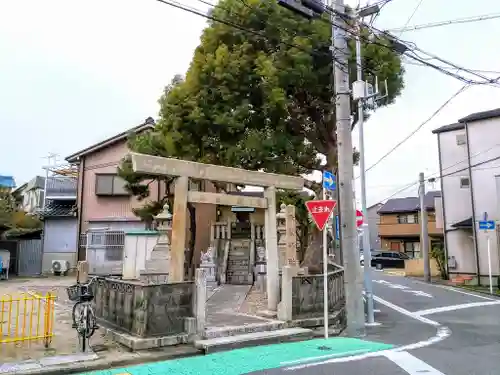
{"x":192,"y":240}
{"x":313,"y":258}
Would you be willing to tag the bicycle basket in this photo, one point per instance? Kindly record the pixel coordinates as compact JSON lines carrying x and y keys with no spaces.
{"x":73,"y":292}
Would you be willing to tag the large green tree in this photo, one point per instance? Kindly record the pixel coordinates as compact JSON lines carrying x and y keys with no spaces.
{"x":258,"y":99}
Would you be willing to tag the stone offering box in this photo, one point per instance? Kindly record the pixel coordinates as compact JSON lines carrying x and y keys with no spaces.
{"x":142,"y":315}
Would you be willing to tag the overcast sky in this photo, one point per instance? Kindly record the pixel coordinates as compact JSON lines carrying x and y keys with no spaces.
{"x":74,"y":72}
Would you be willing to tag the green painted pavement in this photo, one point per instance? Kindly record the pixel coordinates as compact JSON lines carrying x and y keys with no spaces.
{"x":242,"y":361}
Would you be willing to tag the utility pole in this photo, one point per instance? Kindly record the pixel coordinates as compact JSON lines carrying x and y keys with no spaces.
{"x":424,"y":235}
{"x":353,"y":282}
{"x":352,"y":277}
{"x":367,"y":256}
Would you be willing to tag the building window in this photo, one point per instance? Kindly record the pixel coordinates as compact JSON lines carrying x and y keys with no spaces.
{"x":412,"y":249}
{"x":109,"y":184}
{"x":196,"y":185}
{"x":408,"y":219}
{"x":461,"y":139}
{"x":464,"y":182}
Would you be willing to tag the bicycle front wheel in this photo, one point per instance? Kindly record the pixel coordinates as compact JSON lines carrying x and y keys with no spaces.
{"x":91,"y":323}
{"x":77,"y":313}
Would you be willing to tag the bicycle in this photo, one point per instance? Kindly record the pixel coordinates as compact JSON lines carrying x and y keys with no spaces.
{"x":83,"y":316}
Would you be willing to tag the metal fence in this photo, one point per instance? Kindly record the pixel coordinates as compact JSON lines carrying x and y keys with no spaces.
{"x":27,"y":318}
{"x":104,"y":250}
{"x":30,"y":257}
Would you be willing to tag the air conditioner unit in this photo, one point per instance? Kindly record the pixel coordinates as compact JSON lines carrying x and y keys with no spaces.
{"x":60,"y":267}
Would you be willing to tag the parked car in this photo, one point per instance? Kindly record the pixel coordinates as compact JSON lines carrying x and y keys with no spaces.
{"x":362,"y":256}
{"x":389,"y":259}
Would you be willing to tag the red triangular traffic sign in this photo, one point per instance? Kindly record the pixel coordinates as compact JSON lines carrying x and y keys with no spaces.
{"x":320,"y":211}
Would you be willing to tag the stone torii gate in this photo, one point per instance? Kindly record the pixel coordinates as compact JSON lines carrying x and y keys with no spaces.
{"x":183,"y":170}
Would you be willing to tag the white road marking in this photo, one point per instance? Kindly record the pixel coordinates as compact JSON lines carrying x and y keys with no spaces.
{"x":456,"y":290}
{"x":455,"y":307}
{"x":442,"y":333}
{"x":403,"y":288}
{"x":406,"y":312}
{"x":418,"y":293}
{"x":326,"y":356}
{"x":411,"y":364}
{"x":397,"y":286}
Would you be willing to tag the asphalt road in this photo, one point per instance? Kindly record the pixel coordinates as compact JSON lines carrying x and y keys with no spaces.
{"x":422,"y":330}
{"x":445,"y":332}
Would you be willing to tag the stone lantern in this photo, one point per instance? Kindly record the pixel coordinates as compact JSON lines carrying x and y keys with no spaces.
{"x":158,"y":262}
{"x":281,"y":228}
{"x":164,"y":227}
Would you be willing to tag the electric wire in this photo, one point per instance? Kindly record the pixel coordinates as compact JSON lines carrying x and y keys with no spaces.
{"x":484,"y":17}
{"x":434,"y":114}
{"x":411,"y":17}
{"x":229,"y":23}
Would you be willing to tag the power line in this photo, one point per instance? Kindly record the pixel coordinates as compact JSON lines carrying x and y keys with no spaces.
{"x":312,"y":52}
{"x":462,"y":89}
{"x":412,"y":47}
{"x":410,"y":18}
{"x":472,"y":166}
{"x":445,"y":67}
{"x":446,"y":23}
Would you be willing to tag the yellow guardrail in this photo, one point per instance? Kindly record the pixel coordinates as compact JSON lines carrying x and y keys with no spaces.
{"x":27,"y":318}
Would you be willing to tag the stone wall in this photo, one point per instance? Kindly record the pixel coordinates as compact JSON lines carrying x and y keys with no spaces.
{"x":144,"y":310}
{"x":307,"y":294}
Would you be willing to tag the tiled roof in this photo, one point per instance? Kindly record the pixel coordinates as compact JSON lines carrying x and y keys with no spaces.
{"x":37,"y":182}
{"x":481,"y":116}
{"x":55,"y":208}
{"x":409,"y":204}
{"x":149,"y":123}
{"x":449,"y":128}
{"x":477,"y":116}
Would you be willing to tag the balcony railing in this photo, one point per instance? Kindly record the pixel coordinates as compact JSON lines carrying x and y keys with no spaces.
{"x":406,"y":229}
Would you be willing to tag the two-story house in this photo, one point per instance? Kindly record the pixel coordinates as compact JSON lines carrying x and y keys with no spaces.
{"x":31,"y":194}
{"x":105,"y":206}
{"x":469,"y":160}
{"x":373,"y":221}
{"x":59,"y":215}
{"x":399,"y":225}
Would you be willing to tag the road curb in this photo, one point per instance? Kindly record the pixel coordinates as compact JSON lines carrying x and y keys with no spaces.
{"x":106,"y":364}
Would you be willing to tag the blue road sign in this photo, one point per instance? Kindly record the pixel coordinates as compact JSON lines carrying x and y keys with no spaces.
{"x":329,"y":181}
{"x":487,"y":224}
{"x":337,"y":229}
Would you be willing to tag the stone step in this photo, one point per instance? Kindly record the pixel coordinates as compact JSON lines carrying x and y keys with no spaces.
{"x":253,"y":339}
{"x":214,"y":332}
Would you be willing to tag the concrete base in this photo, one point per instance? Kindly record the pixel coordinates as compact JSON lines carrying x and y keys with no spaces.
{"x":335,"y":321}
{"x":135,"y":343}
{"x":253,"y":339}
{"x":218,"y":332}
{"x":268,"y":314}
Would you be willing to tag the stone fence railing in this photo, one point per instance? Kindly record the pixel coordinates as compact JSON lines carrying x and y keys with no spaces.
{"x":149,"y":309}
{"x":302,"y":295}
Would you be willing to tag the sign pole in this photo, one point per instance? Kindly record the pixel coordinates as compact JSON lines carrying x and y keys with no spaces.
{"x":325,"y":275}
{"x":487,"y":225}
{"x":489,"y":264}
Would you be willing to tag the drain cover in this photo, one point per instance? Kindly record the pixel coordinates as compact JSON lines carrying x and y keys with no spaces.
{"x":324,"y":348}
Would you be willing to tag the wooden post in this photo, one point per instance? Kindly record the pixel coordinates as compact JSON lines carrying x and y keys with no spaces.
{"x":176,"y":272}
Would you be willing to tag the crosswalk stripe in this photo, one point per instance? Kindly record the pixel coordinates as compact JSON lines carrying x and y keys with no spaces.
{"x":411,"y":364}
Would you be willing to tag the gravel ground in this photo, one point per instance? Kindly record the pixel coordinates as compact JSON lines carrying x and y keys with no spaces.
{"x":65,"y":340}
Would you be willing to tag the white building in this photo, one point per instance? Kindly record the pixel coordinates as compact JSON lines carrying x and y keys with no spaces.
{"x":469,"y":159}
